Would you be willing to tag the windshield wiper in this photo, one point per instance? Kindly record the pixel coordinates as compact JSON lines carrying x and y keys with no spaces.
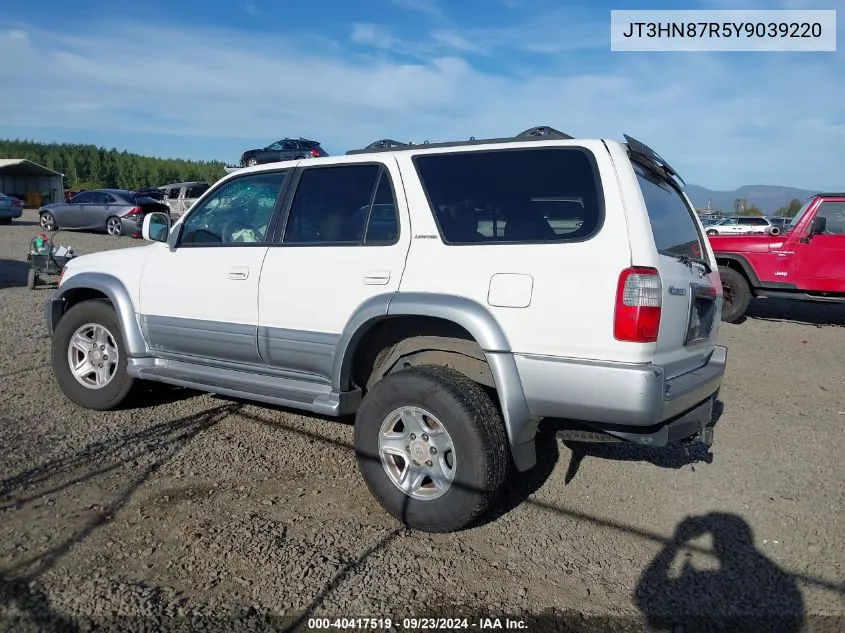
{"x":689,"y":259}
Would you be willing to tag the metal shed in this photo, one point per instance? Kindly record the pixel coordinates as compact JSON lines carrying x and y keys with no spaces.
{"x":31,"y":182}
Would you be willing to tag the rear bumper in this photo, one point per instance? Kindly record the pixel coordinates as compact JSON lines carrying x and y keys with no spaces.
{"x":11,"y":212}
{"x":616,"y":394}
{"x":130,"y":227}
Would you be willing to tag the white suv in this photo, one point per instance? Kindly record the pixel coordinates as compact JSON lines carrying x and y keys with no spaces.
{"x":742,"y":225}
{"x":449,"y":295}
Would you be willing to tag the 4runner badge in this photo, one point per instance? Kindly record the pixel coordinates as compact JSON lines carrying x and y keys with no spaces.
{"x":673,"y":290}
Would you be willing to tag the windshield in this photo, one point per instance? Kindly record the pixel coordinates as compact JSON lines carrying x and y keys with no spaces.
{"x":800,"y":214}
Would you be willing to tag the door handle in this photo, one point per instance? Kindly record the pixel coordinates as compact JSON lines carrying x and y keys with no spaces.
{"x":238,"y":272}
{"x":376,"y":277}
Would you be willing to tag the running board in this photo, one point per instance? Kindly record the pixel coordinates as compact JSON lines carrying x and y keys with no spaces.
{"x":572,"y":435}
{"x":285,"y":392}
{"x":799,"y":296}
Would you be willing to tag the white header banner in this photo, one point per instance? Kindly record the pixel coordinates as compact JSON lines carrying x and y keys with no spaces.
{"x":770,"y":30}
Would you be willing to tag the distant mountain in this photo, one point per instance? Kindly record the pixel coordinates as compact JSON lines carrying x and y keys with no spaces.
{"x":768,"y":197}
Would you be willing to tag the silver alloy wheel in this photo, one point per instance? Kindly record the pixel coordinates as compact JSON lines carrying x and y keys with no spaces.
{"x":252,"y":162}
{"x":114,"y":227}
{"x":47,"y":222}
{"x":92,"y":356}
{"x":417,"y":453}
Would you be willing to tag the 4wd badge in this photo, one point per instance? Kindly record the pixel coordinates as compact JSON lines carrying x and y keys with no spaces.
{"x":674,"y":290}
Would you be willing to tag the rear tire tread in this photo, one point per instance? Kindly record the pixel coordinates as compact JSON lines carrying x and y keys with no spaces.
{"x":474,"y":409}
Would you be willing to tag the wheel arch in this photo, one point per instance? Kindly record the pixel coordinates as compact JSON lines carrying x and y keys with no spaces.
{"x":91,"y":285}
{"x":461,"y":314}
{"x":740,"y":264}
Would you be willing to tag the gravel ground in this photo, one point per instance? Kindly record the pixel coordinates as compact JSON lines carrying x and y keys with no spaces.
{"x":201,"y":513}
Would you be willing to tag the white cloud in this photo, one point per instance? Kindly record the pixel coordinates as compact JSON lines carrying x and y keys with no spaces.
{"x":721,"y":122}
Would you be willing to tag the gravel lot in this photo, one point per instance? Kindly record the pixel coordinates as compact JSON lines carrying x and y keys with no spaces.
{"x":193,"y":511}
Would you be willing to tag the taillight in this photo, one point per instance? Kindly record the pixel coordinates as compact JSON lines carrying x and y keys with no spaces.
{"x":134,"y":212}
{"x":639,"y":298}
{"x":315,"y":152}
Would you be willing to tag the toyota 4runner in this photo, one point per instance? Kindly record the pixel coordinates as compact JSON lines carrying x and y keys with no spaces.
{"x":450,"y":296}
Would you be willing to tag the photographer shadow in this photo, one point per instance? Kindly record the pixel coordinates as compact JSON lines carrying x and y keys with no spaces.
{"x":733,"y":587}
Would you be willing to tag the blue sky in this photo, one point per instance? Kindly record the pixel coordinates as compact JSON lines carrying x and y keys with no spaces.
{"x":208,"y":79}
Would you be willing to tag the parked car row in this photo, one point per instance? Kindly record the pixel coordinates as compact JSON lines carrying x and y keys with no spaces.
{"x":115,"y":211}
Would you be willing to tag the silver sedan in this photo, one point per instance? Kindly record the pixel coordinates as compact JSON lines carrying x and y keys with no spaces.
{"x":115,"y":211}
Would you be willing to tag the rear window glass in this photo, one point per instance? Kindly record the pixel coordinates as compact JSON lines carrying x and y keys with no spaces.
{"x":672,"y":222}
{"x":513,"y":196}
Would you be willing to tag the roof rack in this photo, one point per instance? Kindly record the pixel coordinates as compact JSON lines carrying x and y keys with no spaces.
{"x":540,"y":133}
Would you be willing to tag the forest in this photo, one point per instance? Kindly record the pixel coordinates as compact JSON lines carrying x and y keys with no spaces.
{"x":92,"y":167}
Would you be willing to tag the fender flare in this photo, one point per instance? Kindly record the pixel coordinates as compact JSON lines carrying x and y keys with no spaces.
{"x":520,"y":423}
{"x":113,"y":288}
{"x":747,"y":268}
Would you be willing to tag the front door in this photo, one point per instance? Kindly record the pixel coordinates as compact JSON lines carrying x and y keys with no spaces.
{"x":821,"y":261}
{"x":341,"y":245}
{"x":73,"y":214}
{"x":199,"y":301}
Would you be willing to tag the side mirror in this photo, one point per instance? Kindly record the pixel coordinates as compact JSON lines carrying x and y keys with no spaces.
{"x":156,"y":227}
{"x":818,"y":225}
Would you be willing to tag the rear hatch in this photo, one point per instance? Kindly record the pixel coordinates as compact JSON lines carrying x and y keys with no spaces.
{"x":691,"y":289}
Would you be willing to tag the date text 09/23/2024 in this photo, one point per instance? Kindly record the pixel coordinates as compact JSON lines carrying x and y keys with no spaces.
{"x":416,"y":624}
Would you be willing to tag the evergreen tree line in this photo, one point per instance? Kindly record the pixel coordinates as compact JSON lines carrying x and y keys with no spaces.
{"x":92,"y":167}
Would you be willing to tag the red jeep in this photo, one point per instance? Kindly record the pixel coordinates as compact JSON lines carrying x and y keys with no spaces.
{"x":805,"y":262}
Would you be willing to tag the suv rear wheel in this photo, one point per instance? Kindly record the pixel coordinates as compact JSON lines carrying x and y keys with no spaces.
{"x":431,"y":447}
{"x":89,"y":356}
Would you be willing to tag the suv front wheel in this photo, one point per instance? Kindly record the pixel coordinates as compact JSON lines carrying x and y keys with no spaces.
{"x":431,"y":447}
{"x":89,"y":356}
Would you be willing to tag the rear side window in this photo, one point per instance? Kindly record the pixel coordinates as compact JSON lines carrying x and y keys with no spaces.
{"x":513,"y":196}
{"x":345,"y":204}
{"x":672,"y":223}
{"x":196,"y":191}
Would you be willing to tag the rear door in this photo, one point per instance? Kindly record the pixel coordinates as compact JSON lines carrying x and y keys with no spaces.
{"x":691,"y":288}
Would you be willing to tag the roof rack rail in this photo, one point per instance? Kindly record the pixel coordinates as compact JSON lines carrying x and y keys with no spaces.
{"x":540,"y":133}
{"x":542,"y":130}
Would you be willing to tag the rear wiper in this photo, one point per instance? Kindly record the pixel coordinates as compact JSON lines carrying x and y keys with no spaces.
{"x":689,"y":259}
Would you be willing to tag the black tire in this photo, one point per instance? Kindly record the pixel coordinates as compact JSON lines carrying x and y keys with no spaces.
{"x":482,"y":457}
{"x":712,"y":232}
{"x":110,"y":396}
{"x":5,"y":220}
{"x":737,"y":294}
{"x":31,"y":278}
{"x":252,"y":161}
{"x":48,"y":221}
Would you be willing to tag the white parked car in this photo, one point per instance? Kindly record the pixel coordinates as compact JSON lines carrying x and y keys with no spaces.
{"x":742,"y":225}
{"x":450,"y":296}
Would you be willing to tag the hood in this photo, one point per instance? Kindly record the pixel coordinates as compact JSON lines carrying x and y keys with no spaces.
{"x":253,"y":151}
{"x":124,"y":263}
{"x":753,"y":243}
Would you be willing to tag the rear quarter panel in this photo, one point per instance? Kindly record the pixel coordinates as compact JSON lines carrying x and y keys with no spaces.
{"x":572,"y":287}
